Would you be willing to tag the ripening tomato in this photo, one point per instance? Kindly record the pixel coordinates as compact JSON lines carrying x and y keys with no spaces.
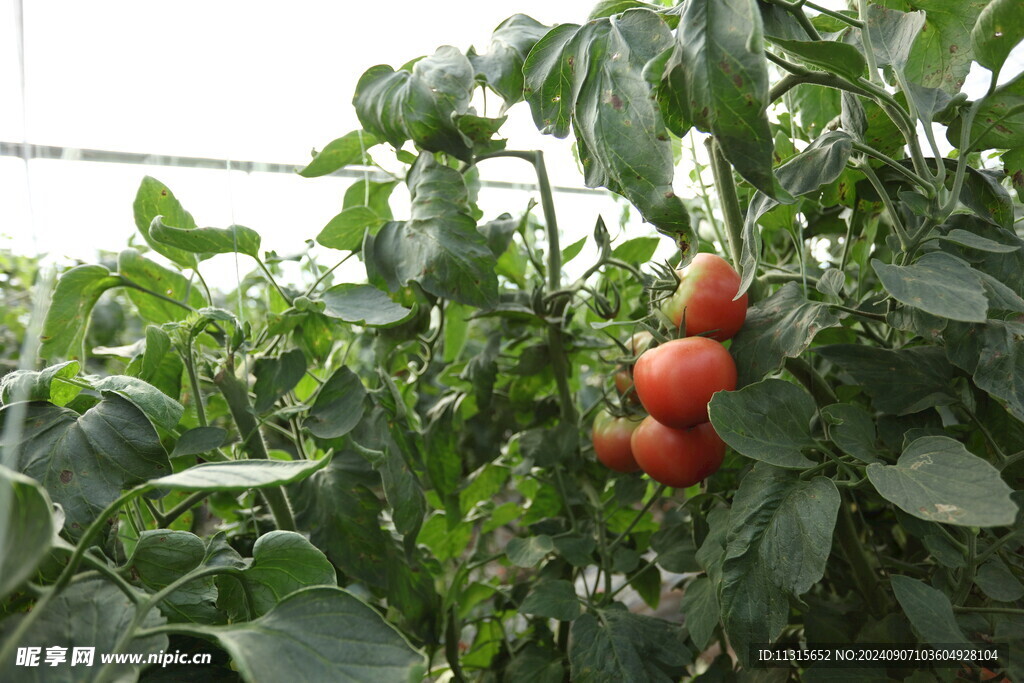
{"x":705,"y":295}
{"x":623,"y":376}
{"x":677,"y":457}
{"x":676,"y":380}
{"x":611,"y":441}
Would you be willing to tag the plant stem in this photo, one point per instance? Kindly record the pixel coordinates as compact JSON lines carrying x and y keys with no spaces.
{"x":863,"y":574}
{"x":636,"y":520}
{"x":896,"y":166}
{"x":236,"y":395}
{"x":193,"y":381}
{"x":865,"y":38}
{"x":327,"y":272}
{"x":894,"y":217}
{"x":989,"y":610}
{"x":726,"y":187}
{"x":812,"y":381}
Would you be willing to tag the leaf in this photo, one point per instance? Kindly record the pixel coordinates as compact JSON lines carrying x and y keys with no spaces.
{"x":617,"y":645}
{"x":1000,"y":27}
{"x":852,"y":429}
{"x":67,"y":318}
{"x":275,"y":377}
{"x":767,"y":421}
{"x":971,"y":240}
{"x":996,"y":581}
{"x":929,"y":611}
{"x":779,"y":327}
{"x":779,"y":540}
{"x":320,"y":634}
{"x":936,"y":283}
{"x":338,"y":406}
{"x":85,"y":461}
{"x":154,"y":277}
{"x":347,"y":230}
{"x":26,"y":528}
{"x":637,"y":250}
{"x":44,"y":385}
{"x":839,"y":58}
{"x":346,"y":150}
{"x":238,"y":475}
{"x":993,"y":354}
{"x":371,"y":194}
{"x":163,"y":556}
{"x":501,"y":67}
{"x":536,"y":664}
{"x":207,"y":241}
{"x":91,"y":613}
{"x":552,"y":600}
{"x":402,"y":487}
{"x":573,"y":250}
{"x":153,"y":199}
{"x":282,"y":562}
{"x":892,"y":34}
{"x":419,"y":104}
{"x":938,"y":480}
{"x":984,"y":194}
{"x":999,"y":123}
{"x":528,"y":552}
{"x":163,"y":410}
{"x":363,"y":305}
{"x":199,"y":440}
{"x":820,"y":164}
{"x":591,"y":79}
{"x":719,"y":77}
{"x":700,"y":608}
{"x":439,"y":247}
{"x":899,"y":382}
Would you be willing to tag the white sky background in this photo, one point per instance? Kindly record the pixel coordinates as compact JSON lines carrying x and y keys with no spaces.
{"x":254,"y":81}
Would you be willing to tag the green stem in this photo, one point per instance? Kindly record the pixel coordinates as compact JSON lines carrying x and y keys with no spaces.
{"x":193,"y":381}
{"x":181,"y":508}
{"x":726,"y":187}
{"x":110,"y":574}
{"x":868,"y":315}
{"x":988,"y":610}
{"x":896,"y":166}
{"x":270,"y":278}
{"x":856,"y":23}
{"x":640,"y":515}
{"x":236,"y":395}
{"x":894,"y":217}
{"x":812,"y":381}
{"x":864,"y":575}
{"x":967,"y":577}
{"x":997,"y":544}
{"x":704,"y":194}
{"x":451,"y":646}
{"x":327,"y":272}
{"x":865,"y":39}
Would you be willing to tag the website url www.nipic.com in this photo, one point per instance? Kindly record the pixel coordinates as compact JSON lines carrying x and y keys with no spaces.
{"x":86,"y":656}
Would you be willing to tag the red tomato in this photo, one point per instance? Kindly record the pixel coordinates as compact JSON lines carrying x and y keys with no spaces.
{"x":611,"y":441}
{"x":623,"y":376}
{"x":705,"y":294}
{"x":677,"y":457}
{"x":676,"y":380}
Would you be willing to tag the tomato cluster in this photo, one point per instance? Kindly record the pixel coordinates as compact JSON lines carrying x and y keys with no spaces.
{"x":674,"y":381}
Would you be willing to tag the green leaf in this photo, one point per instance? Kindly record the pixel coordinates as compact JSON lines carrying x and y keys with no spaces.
{"x":207,"y":241}
{"x":929,"y":611}
{"x":402,"y":487}
{"x":719,"y":76}
{"x":536,"y":664}
{"x":501,"y":67}
{"x":154,"y":277}
{"x":780,"y":537}
{"x":199,"y":440}
{"x":936,"y":283}
{"x":892,"y":34}
{"x":576,"y":549}
{"x":89,"y":613}
{"x":363,"y":305}
{"x":938,"y":480}
{"x":996,"y":581}
{"x":820,"y":164}
{"x":899,"y":382}
{"x":992,"y":353}
{"x":320,"y":634}
{"x":26,"y":528}
{"x":338,"y":406}
{"x":163,"y":556}
{"x":999,"y":123}
{"x":67,"y":318}
{"x":968,"y":239}
{"x":700,"y":607}
{"x":573,"y":250}
{"x":984,"y":194}
{"x":617,"y":645}
{"x":238,"y":475}
{"x":275,"y":377}
{"x":371,"y":194}
{"x":839,"y":58}
{"x":852,"y":429}
{"x":346,"y":150}
{"x":44,"y":385}
{"x":156,"y":199}
{"x":767,"y":421}
{"x":528,"y":552}
{"x":608,"y":8}
{"x":419,"y":104}
{"x":282,"y":563}
{"x":637,"y":250}
{"x":999,"y":28}
{"x":551,"y":85}
{"x":439,"y":247}
{"x":552,"y":600}
{"x":85,"y":461}
{"x":163,"y":410}
{"x":347,"y":230}
{"x":779,"y":327}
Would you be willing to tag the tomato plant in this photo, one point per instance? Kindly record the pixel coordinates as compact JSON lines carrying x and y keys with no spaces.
{"x":676,"y":380}
{"x":706,"y":301}
{"x":611,"y":437}
{"x":315,"y":479}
